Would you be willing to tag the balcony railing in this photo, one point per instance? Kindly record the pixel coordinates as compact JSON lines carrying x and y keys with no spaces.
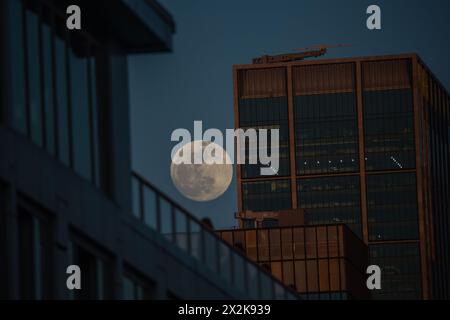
{"x":184,"y":230}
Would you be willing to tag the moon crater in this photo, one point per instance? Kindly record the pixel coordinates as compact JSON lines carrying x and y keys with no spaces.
{"x":201,"y":182}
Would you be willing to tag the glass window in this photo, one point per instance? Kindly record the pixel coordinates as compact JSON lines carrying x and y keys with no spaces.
{"x":400,"y":266}
{"x":326,"y":135}
{"x":389,"y":129}
{"x":135,"y":287}
{"x":18,"y":103}
{"x":94,"y":111}
{"x":392,"y":206}
{"x":62,"y":100}
{"x":135,"y":189}
{"x":34,"y":256}
{"x":80,"y":114}
{"x":54,"y":87}
{"x":265,"y":113}
{"x":331,"y":200}
{"x":49,"y":108}
{"x":266,"y":195}
{"x":97,"y":279}
{"x":437,"y":118}
{"x":128,"y":289}
{"x":34,"y":80}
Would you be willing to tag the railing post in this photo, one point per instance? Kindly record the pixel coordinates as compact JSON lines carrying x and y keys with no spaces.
{"x":158,"y":212}
{"x":188,"y":235}
{"x":202,"y":243}
{"x":173,"y":220}
{"x":217,"y":256}
{"x":233,"y":278}
{"x":141,"y":200}
{"x":259,"y":284}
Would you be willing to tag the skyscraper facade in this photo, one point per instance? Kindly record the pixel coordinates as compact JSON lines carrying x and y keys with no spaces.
{"x":365,"y":142}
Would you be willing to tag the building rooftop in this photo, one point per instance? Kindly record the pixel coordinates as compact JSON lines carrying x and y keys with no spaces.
{"x":138,"y":25}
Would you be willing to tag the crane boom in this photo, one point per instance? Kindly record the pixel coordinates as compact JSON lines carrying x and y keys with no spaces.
{"x":312,"y":52}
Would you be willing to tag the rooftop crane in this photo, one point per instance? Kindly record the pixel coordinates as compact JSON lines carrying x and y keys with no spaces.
{"x":310,"y":52}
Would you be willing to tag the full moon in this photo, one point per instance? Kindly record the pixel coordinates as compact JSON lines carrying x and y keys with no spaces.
{"x":201,"y":182}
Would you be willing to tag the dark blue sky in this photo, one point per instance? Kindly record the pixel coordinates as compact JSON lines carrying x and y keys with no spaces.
{"x":170,"y":91}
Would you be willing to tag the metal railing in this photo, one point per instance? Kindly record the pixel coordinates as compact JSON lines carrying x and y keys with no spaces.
{"x":189,"y":234}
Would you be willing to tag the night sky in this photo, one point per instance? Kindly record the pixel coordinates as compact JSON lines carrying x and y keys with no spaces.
{"x":194,"y":82}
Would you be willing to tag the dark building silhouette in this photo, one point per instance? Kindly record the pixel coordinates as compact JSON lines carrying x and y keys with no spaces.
{"x":67,"y":193}
{"x":365,"y":142}
{"x":326,"y":262}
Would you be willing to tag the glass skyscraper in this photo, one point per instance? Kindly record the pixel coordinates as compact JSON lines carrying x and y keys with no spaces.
{"x":365,"y":142}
